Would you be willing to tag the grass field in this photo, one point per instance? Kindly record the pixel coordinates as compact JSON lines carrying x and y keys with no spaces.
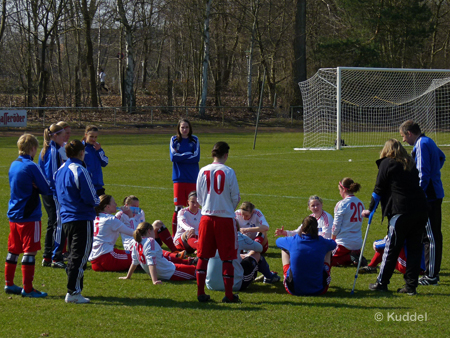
{"x":278,"y":181}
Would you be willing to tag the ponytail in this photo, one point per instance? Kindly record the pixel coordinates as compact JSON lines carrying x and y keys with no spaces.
{"x":141,"y":231}
{"x":48,"y":133}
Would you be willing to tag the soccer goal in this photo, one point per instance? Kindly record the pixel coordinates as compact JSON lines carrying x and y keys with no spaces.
{"x":363,"y":107}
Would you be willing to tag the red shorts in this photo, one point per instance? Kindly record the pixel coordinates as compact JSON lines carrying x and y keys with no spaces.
{"x":326,"y":278}
{"x":183,"y":272}
{"x":117,"y":260}
{"x":24,"y":237}
{"x":341,"y":256}
{"x":217,"y":233}
{"x":261,"y":240}
{"x":181,"y":192}
{"x":192,"y":242}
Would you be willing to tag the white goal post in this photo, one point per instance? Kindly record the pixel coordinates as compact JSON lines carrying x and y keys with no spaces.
{"x":360,"y":107}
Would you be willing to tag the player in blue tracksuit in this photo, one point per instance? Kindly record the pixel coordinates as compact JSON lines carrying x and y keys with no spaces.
{"x":77,"y":197}
{"x":95,"y":158}
{"x":26,"y":181}
{"x":49,"y":162}
{"x":306,"y":260}
{"x":185,"y":155}
{"x":429,"y":161}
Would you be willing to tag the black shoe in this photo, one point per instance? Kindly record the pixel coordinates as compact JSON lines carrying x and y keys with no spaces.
{"x":203,"y":298}
{"x":425,"y":280}
{"x":368,"y":269}
{"x":409,"y":292}
{"x":58,"y":265}
{"x":234,"y":300}
{"x":377,"y":287}
{"x":46,"y":263}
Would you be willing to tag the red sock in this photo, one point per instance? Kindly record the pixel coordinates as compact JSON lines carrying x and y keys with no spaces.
{"x":28,"y":273}
{"x":174,"y":223}
{"x":376,"y":259}
{"x":202,"y":265}
{"x":228,"y":278}
{"x":164,"y":236}
{"x":10,"y":271}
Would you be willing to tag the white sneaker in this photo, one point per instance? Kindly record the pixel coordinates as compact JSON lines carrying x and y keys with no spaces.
{"x":77,"y":299}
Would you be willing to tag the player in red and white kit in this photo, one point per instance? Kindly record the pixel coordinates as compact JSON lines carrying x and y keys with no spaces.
{"x":130,"y":219}
{"x":253,"y":224}
{"x":346,"y":230}
{"x":107,"y":228}
{"x":186,"y":237}
{"x":218,"y":194}
{"x":147,"y":253}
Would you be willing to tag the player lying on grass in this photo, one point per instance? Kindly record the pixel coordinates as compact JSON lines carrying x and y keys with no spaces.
{"x":246,"y":266}
{"x":306,"y":260}
{"x":379,"y":246}
{"x":26,"y":181}
{"x":346,"y":230}
{"x":147,"y":253}
{"x":107,"y":228}
{"x":186,"y":237}
{"x":324,"y":219}
{"x":253,"y":224}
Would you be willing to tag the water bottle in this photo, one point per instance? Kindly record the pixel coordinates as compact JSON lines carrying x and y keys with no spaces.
{"x":134,"y":210}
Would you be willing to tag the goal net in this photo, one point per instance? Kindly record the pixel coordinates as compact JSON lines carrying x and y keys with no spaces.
{"x":365,"y":106}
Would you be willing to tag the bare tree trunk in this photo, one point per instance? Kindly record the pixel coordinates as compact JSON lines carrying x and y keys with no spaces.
{"x":250,"y":54}
{"x":3,"y":20}
{"x":88,"y":14}
{"x":206,"y":34}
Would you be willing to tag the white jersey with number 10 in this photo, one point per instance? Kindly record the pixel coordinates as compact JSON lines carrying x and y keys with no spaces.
{"x":217,"y":190}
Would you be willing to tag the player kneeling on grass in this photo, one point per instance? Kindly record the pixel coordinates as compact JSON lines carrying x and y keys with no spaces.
{"x":147,"y":252}
{"x":186,"y":237}
{"x":253,"y":224}
{"x":24,"y":212}
{"x":306,"y":260}
{"x":246,"y":266}
{"x":107,"y":228}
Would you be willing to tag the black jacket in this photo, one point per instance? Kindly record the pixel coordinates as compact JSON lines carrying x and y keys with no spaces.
{"x":399,"y":189}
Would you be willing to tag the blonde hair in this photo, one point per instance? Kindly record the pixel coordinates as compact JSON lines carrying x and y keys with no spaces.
{"x":26,"y":143}
{"x":129,"y":199}
{"x":48,"y":133}
{"x":314,"y":198}
{"x":247,"y":206}
{"x":394,"y":149}
{"x":141,"y":231}
{"x":63,"y":124}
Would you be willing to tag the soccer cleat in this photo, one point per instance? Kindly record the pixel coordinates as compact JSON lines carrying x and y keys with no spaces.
{"x":377,"y":287}
{"x":46,"y":263}
{"x":234,"y":300}
{"x":58,"y":265}
{"x":13,"y":289}
{"x":203,"y":298}
{"x":368,"y":269}
{"x":275,"y":278}
{"x":181,"y":254}
{"x":409,"y":292}
{"x":193,"y":260}
{"x":425,"y":280}
{"x":34,"y":294}
{"x":76,"y":299}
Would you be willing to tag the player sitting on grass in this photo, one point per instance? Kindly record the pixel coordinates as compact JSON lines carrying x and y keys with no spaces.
{"x":26,"y":181}
{"x":306,"y":260}
{"x":379,"y":246}
{"x":147,"y":252}
{"x":130,"y":218}
{"x":246,"y":266}
{"x":346,"y":230}
{"x":186,"y":237}
{"x":324,"y":219}
{"x":253,"y":224}
{"x":107,"y":228}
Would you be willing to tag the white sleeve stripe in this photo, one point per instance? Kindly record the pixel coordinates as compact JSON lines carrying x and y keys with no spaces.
{"x":103,"y":156}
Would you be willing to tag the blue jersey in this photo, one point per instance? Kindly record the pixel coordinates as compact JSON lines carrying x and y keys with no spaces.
{"x":185,"y":156}
{"x":51,"y":162}
{"x":75,"y":192}
{"x":429,"y":161}
{"x":307,"y":261}
{"x":95,"y":160}
{"x":26,"y":181}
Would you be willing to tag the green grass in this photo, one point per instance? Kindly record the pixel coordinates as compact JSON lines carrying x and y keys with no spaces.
{"x":278,"y":181}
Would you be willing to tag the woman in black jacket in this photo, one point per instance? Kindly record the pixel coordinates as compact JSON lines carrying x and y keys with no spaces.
{"x":404,"y":203}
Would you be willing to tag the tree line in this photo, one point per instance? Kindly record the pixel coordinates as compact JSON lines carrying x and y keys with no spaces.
{"x":203,"y":52}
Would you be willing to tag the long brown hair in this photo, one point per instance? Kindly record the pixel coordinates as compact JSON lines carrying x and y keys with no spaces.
{"x":394,"y":149}
{"x":349,"y":185}
{"x":309,"y":226}
{"x":179,"y":137}
{"x":104,"y":201}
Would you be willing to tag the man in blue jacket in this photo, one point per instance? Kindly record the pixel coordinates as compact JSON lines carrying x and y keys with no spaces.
{"x":429,"y":161}
{"x":24,"y":212}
